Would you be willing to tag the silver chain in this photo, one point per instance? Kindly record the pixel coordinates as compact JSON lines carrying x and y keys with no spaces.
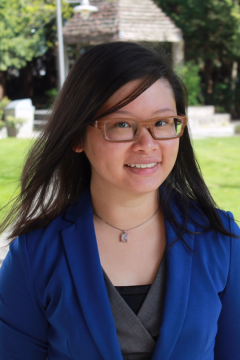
{"x":130,"y":228}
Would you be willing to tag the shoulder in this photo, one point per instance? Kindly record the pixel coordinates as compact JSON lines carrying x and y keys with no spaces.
{"x":41,"y":254}
{"x":38,"y":239}
{"x":219,"y":251}
{"x":197,"y":216}
{"x":47,"y":239}
{"x":212,"y":237}
{"x":39,"y":248}
{"x":229,"y":223}
{"x":43,"y":251}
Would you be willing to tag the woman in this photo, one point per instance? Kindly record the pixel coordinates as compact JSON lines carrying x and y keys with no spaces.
{"x":121,"y":252}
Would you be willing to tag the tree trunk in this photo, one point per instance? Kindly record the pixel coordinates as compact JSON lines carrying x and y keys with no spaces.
{"x":234,"y":75}
{"x":233,"y":87}
{"x":208,"y":77}
{"x":28,"y":83}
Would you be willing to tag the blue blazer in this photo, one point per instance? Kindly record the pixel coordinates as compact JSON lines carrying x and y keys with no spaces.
{"x":54,"y":304}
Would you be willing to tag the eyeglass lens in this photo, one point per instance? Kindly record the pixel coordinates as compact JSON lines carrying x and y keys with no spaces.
{"x":127,"y":129}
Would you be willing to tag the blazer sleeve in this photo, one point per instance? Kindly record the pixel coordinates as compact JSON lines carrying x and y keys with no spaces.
{"x":228,"y":336}
{"x":23,"y":326}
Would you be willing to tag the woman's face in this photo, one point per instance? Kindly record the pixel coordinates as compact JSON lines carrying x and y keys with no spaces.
{"x":110,"y":162}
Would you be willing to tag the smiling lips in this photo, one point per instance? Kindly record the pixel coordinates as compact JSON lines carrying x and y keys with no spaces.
{"x":142,"y":166}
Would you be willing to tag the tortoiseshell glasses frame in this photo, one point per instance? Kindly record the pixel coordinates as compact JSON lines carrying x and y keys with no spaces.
{"x":110,"y":127}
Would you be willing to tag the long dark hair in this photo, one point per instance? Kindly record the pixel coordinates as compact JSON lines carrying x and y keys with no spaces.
{"x":54,"y":176}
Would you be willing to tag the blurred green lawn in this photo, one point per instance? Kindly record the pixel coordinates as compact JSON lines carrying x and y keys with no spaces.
{"x":12,"y":155}
{"x":219,"y":159}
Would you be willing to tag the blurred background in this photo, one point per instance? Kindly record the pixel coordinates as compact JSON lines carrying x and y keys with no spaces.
{"x":204,"y":34}
{"x":41,"y":39}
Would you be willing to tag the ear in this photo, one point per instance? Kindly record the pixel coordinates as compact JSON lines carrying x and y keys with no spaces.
{"x":78,"y":148}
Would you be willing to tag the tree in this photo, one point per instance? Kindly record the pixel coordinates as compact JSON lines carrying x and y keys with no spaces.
{"x":27,"y":29}
{"x":211,"y":30}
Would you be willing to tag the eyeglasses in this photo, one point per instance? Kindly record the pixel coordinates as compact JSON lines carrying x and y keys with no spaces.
{"x":124,"y":130}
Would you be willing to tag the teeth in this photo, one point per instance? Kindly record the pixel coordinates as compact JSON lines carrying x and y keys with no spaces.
{"x":142,"y":166}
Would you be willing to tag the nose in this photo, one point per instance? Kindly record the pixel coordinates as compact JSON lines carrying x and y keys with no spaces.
{"x":145,"y":141}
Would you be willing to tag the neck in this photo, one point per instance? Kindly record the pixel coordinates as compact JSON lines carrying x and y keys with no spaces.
{"x":121,"y":209}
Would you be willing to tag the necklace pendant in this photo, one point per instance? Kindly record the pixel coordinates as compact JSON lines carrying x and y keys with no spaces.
{"x":124,"y":237}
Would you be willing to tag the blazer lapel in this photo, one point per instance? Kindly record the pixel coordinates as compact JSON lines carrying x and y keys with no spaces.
{"x":84,"y":262}
{"x":179,"y":263}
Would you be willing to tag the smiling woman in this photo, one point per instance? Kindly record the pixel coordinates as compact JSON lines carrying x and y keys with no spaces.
{"x":117,"y":249}
{"x":123,"y":169}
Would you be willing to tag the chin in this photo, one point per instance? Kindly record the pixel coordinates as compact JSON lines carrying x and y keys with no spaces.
{"x":142,"y":189}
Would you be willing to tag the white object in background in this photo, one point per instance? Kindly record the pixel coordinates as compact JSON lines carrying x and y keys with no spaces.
{"x":85,"y":9}
{"x":22,"y":109}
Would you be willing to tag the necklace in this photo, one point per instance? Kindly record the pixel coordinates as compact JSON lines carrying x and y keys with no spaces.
{"x":124,"y":236}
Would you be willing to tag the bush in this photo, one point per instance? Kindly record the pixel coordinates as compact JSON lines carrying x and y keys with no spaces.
{"x":13,"y":121}
{"x":192,"y":81}
{"x":3,"y":103}
{"x":51,"y":94}
{"x":2,"y":124}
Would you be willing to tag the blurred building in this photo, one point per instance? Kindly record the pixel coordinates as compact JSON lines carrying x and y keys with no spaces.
{"x":128,"y":20}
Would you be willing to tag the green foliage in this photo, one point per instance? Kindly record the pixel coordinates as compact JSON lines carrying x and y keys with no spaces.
{"x":211,"y":28}
{"x":27,"y":29}
{"x":15,"y":122}
{"x":221,"y":96}
{"x":192,"y":81}
{"x":211,"y":31}
{"x":3,"y":103}
{"x":2,"y":124}
{"x":52,"y":94}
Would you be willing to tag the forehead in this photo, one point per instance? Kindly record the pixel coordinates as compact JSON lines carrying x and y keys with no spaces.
{"x":157,"y":98}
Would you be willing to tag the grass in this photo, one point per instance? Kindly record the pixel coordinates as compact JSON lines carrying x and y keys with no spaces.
{"x":12,"y":154}
{"x":219,"y":159}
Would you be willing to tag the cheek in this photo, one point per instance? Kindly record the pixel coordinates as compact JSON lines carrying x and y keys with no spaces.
{"x":94,"y":146}
{"x":170,"y":151}
{"x":103,"y":155}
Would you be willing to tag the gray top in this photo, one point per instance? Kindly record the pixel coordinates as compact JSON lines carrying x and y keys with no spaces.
{"x":136,"y":332}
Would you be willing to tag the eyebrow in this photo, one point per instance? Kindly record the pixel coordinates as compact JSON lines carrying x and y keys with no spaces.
{"x":124,"y":112}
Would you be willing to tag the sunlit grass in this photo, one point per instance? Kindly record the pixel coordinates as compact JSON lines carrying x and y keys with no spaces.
{"x":219,"y":159}
{"x":12,"y":154}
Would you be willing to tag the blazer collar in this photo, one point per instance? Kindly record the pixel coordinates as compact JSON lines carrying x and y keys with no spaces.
{"x":83,"y":257}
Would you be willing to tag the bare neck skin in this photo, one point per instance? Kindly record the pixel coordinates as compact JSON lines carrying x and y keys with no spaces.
{"x":135,"y":262}
{"x":123,"y":209}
